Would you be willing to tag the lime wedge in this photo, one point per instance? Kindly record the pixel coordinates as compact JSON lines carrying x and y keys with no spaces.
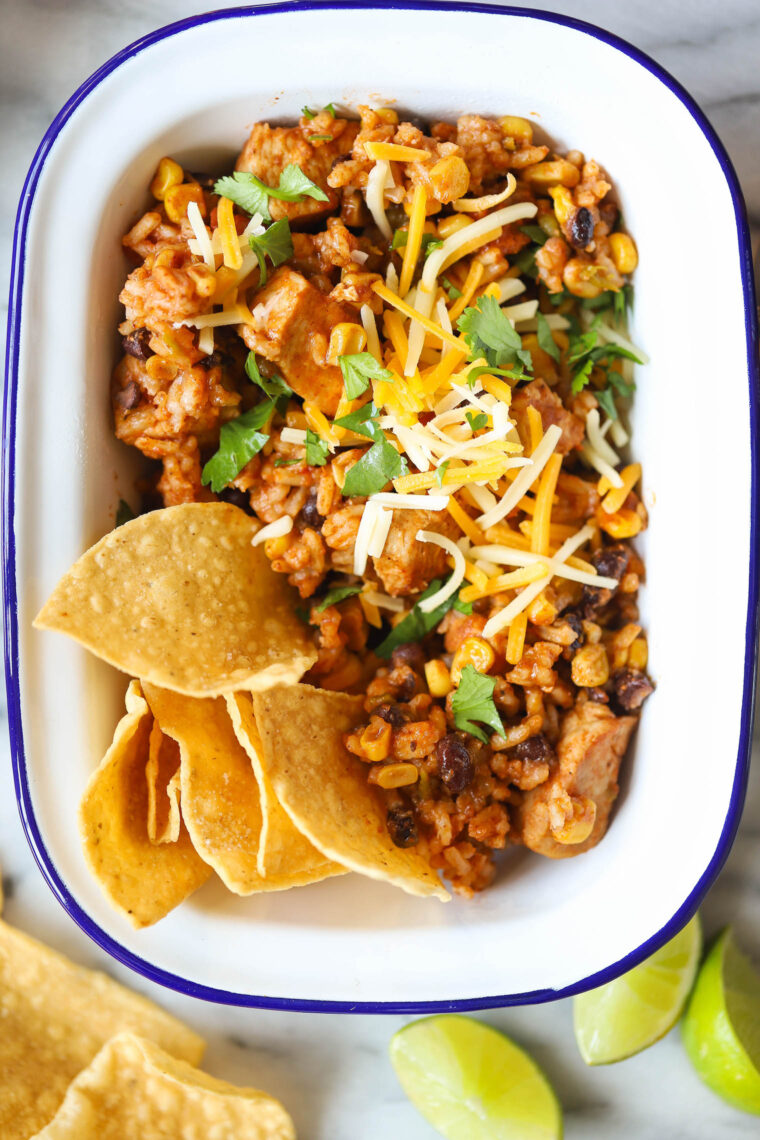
{"x":472,"y":1083}
{"x":625,"y":1016}
{"x":721,"y":1029}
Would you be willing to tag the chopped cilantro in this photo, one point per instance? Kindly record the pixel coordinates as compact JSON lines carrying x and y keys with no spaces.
{"x":294,"y":185}
{"x":429,"y":242}
{"x":462,"y":607}
{"x":362,"y":421}
{"x":491,"y":334}
{"x":473,"y":701}
{"x":330,"y":108}
{"x":275,"y":243}
{"x":545,"y":338}
{"x":476,"y":420}
{"x":417,"y":624}
{"x":320,"y":138}
{"x":535,"y":233}
{"x":273,"y":386}
{"x":124,"y":513}
{"x":239,"y":441}
{"x":510,"y":373}
{"x":286,"y":462}
{"x":337,"y":594}
{"x":440,"y":471}
{"x":252,"y":195}
{"x":585,"y":354}
{"x":316,"y":449}
{"x":307,"y":114}
{"x":375,"y":469}
{"x":451,"y":290}
{"x":358,"y":369}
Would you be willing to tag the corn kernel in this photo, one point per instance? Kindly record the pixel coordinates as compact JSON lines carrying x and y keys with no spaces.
{"x":178,"y":198}
{"x":276,"y":547}
{"x":563,"y":203}
{"x":473,"y":651}
{"x":580,"y":825}
{"x":346,"y":339}
{"x":160,"y":369}
{"x":387,"y":114}
{"x":622,"y":524}
{"x":394,"y":775}
{"x":590,"y":667}
{"x":541,"y":611}
{"x":638,"y":654}
{"x":450,"y":178}
{"x":168,"y":174}
{"x":452,"y":225}
{"x":516,"y":128}
{"x":624,"y":252}
{"x":586,"y":279}
{"x":438,"y":679}
{"x":555,"y":173}
{"x":376,"y":739}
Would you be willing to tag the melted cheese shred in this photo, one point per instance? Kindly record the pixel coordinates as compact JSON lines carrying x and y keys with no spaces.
{"x":452,"y":584}
{"x":375,"y":196}
{"x":414,"y":239}
{"x":277,"y":529}
{"x":488,"y":201}
{"x":524,"y":480}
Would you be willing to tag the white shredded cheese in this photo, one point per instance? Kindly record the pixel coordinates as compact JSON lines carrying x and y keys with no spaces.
{"x":276,"y":529}
{"x":596,"y":438}
{"x":553,"y":320}
{"x":293,"y":435}
{"x":409,"y":502}
{"x":255,"y":225}
{"x":391,"y":278}
{"x":481,"y":497}
{"x":525,"y":311}
{"x":359,"y":256}
{"x":201,"y":234}
{"x":619,"y":435}
{"x":370,"y":331}
{"x":525,"y":480}
{"x":384,"y":601}
{"x":488,"y":201}
{"x":363,"y":536}
{"x":206,"y":341}
{"x":509,"y":287}
{"x":608,"y":335}
{"x":457,"y":575}
{"x":505,"y":617}
{"x":595,"y":460}
{"x":383,"y":520}
{"x":375,"y":196}
{"x":214,"y":320}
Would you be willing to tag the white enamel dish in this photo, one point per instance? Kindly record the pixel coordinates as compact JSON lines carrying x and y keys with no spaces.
{"x":192,"y":90}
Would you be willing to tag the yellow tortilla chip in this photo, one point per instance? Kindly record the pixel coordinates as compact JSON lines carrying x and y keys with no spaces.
{"x":162,"y":779}
{"x":134,"y":1089}
{"x":180,"y":598}
{"x":324,"y":789}
{"x":284,"y":853}
{"x":142,"y":880}
{"x":54,"y":1017}
{"x":221,"y":804}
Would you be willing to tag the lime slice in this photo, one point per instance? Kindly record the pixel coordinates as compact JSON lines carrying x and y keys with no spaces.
{"x":625,"y":1016}
{"x":473,"y":1083}
{"x":721,"y":1029}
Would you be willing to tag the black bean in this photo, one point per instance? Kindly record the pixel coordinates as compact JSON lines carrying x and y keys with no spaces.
{"x":409,"y":683}
{"x":631,"y":688}
{"x":136,"y":344}
{"x":416,"y":121}
{"x":237,"y":498}
{"x":213,"y":360}
{"x":128,"y":397}
{"x":581,"y":228}
{"x":309,"y":515}
{"x":536,"y":749}
{"x":611,"y":561}
{"x":207,"y":181}
{"x":455,"y":766}
{"x":598,"y":696}
{"x":573,"y":619}
{"x":401,"y":826}
{"x":411,"y":654}
{"x":390,"y":713}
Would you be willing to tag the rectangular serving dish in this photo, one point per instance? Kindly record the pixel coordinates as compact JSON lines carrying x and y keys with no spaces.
{"x":545,"y":929}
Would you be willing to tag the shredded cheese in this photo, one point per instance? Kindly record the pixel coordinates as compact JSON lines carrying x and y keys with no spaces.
{"x":370,"y":331}
{"x":201,"y":234}
{"x":393,"y":152}
{"x":206,"y":341}
{"x":276,"y":529}
{"x":596,"y":438}
{"x":488,"y":201}
{"x":413,"y":239}
{"x":240,"y":314}
{"x":457,"y":577}
{"x":384,"y":601}
{"x":410,"y":502}
{"x":419,"y":318}
{"x":375,"y":196}
{"x":382,"y":525}
{"x":524,"y":480}
{"x":228,"y":234}
{"x":293,"y":435}
{"x":544,"y":500}
{"x":364,"y":537}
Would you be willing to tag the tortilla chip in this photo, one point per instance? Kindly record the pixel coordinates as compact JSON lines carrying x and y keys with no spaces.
{"x":324,"y":789}
{"x":142,"y":880}
{"x":55,"y":1017}
{"x":134,"y":1089}
{"x":284,"y":853}
{"x":180,"y":598}
{"x":163,"y":781}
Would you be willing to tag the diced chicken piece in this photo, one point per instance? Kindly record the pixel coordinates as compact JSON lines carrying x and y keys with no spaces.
{"x":292,"y":326}
{"x":407,"y":566}
{"x":538,"y":395}
{"x":270,"y":149}
{"x":591,"y":746}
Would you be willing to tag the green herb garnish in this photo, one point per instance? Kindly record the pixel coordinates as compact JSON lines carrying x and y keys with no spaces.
{"x":338,"y":594}
{"x":545,"y":338}
{"x":491,"y":334}
{"x":476,"y":420}
{"x":330,"y":108}
{"x":451,"y":290}
{"x":362,"y":421}
{"x":239,"y":441}
{"x":124,"y":513}
{"x":275,"y":243}
{"x":428,"y":243}
{"x":273,"y":386}
{"x":320,"y":138}
{"x":417,"y":624}
{"x":316,"y":449}
{"x":358,"y":369}
{"x":473,"y":701}
{"x":440,"y":471}
{"x":585,"y":354}
{"x":535,"y":233}
{"x":307,"y":114}
{"x":252,"y":195}
{"x":375,"y":469}
{"x":286,"y":462}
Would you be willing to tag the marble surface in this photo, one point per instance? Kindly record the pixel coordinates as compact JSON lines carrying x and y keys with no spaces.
{"x":332,"y":1071}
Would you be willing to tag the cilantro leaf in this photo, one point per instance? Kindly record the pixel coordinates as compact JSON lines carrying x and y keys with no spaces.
{"x":308,"y":114}
{"x":275,"y":243}
{"x":316,"y":449}
{"x":320,"y":138}
{"x":375,"y":469}
{"x":295,"y":185}
{"x":476,"y":420}
{"x":535,"y":233}
{"x":274,"y":386}
{"x":490,"y":333}
{"x":124,"y":513}
{"x":440,"y":471}
{"x":363,"y":421}
{"x":286,"y":462}
{"x":462,"y":607}
{"x":239,"y":441}
{"x":358,"y":369}
{"x":545,"y":338}
{"x":473,"y":701}
{"x":451,"y":290}
{"x":429,"y":242}
{"x":330,"y":108}
{"x":416,"y":624}
{"x":526,"y":262}
{"x":581,"y":377}
{"x":247,"y":192}
{"x":481,"y":369}
{"x":337,"y":594}
{"x":606,"y":400}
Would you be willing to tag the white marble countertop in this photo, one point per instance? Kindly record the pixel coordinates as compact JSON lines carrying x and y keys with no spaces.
{"x":332,"y":1071}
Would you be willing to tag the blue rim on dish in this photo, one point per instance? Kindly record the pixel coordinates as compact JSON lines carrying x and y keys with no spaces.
{"x":23,"y":795}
